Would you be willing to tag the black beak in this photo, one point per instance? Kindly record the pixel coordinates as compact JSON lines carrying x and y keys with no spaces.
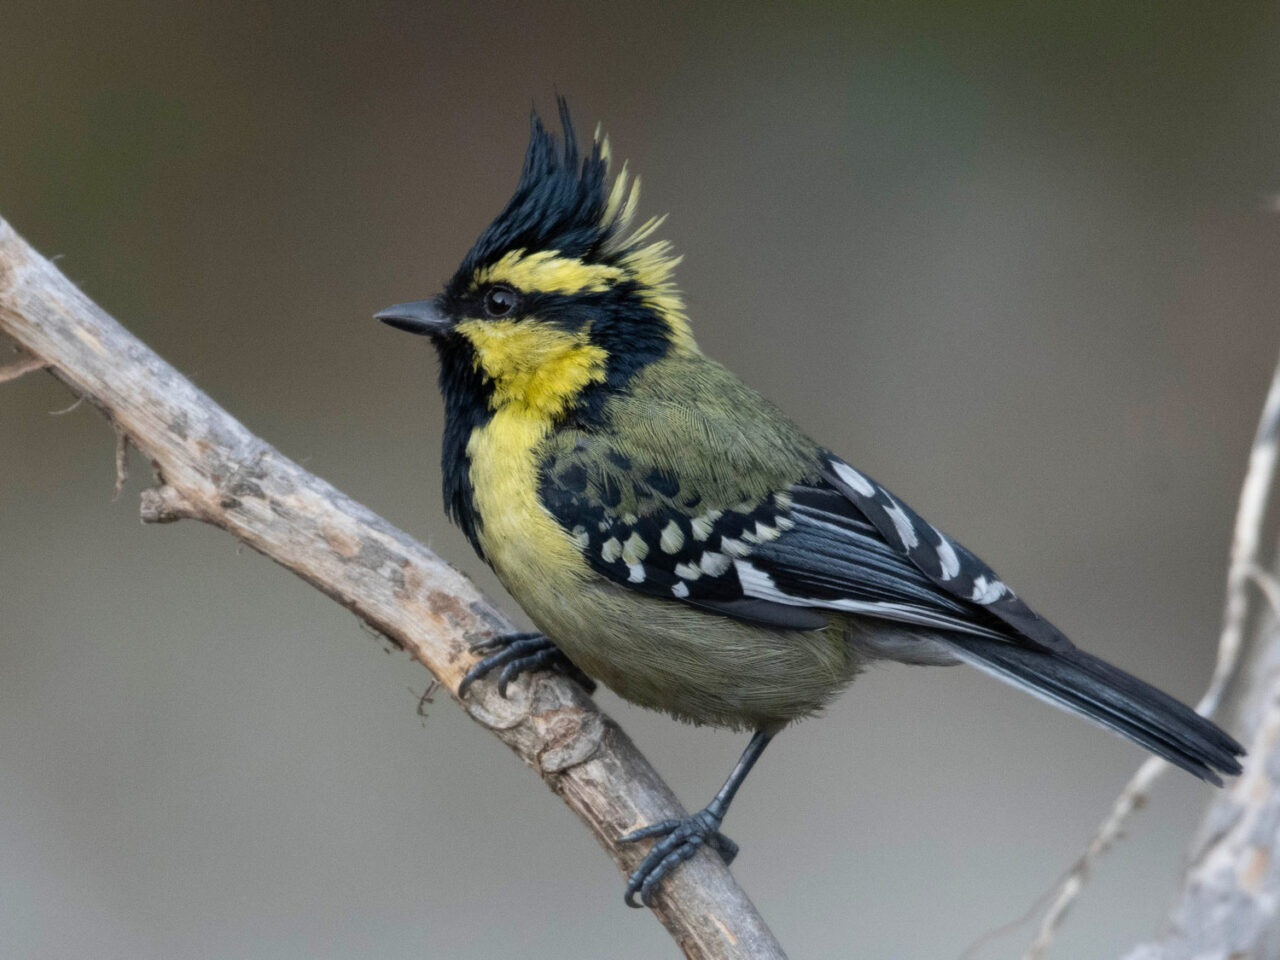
{"x":421,"y":316}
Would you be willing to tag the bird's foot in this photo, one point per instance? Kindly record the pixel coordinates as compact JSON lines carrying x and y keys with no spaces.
{"x":518,"y":653}
{"x":680,"y":841}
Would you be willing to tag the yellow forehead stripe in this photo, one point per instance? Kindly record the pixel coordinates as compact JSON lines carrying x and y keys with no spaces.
{"x":547,"y":272}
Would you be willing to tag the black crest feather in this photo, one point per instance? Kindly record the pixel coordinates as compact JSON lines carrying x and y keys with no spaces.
{"x":558,"y":204}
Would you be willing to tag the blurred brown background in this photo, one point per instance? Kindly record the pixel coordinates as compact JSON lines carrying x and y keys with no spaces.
{"x":1014,"y":260}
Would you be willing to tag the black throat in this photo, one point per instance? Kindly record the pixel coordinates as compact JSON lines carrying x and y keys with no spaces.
{"x":466,"y":408}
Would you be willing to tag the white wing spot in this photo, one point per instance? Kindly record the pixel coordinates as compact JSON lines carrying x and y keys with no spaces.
{"x":634,"y":550}
{"x":947,"y":558}
{"x":688,"y":571}
{"x":735,"y":547}
{"x":985,"y":591}
{"x":580,"y":536}
{"x":611,"y":550}
{"x":703,"y":525}
{"x":680,"y":590}
{"x":672,"y":538}
{"x":853,"y":478}
{"x":713,"y":564}
{"x":635,"y":573}
{"x":763,"y":533}
{"x":902,"y":523}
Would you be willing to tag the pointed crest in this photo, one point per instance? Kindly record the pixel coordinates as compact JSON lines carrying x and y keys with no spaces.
{"x":565,"y":203}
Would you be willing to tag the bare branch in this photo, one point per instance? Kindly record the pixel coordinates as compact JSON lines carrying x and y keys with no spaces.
{"x":215,"y":470}
{"x":1245,"y":549}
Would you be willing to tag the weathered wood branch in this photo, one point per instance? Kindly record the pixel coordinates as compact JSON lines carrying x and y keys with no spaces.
{"x":211,"y":468}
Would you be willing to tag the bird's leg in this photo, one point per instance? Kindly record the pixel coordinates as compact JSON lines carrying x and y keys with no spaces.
{"x":682,"y":838}
{"x":518,"y":653}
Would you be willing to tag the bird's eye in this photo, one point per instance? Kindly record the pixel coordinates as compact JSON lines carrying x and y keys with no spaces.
{"x":499,"y":301}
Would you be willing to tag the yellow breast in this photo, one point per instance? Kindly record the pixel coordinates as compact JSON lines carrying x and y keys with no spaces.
{"x":536,"y":370}
{"x":520,"y":538}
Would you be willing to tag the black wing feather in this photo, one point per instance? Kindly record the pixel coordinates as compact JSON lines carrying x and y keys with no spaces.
{"x":946,"y":563}
{"x":780,"y":560}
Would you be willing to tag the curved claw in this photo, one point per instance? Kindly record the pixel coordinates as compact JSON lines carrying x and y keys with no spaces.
{"x":513,"y":646}
{"x":525,"y":664}
{"x":664,"y":866}
{"x":518,"y":653}
{"x":680,"y":841}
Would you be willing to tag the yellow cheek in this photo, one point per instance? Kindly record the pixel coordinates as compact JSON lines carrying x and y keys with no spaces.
{"x":534,"y":365}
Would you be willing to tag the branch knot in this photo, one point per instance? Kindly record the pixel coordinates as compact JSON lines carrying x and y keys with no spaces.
{"x":165,"y":504}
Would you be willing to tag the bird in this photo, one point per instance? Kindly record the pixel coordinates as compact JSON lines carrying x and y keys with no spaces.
{"x":672,"y":534}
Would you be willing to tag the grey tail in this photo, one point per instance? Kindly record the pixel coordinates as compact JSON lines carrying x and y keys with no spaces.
{"x":1083,"y":684}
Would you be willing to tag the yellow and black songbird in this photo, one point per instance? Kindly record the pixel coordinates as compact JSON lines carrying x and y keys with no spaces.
{"x":672,"y":533}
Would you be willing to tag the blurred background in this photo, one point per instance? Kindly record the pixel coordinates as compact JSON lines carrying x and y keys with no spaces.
{"x":1017,"y":261}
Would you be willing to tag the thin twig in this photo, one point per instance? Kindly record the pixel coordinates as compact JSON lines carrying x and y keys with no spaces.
{"x":215,"y":470}
{"x":1027,"y":915}
{"x":26,"y":363}
{"x":1245,"y":549}
{"x":67,"y":409}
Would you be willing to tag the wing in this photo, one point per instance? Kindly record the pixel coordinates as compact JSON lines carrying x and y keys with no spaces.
{"x":947,"y":564}
{"x":832,"y":540}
